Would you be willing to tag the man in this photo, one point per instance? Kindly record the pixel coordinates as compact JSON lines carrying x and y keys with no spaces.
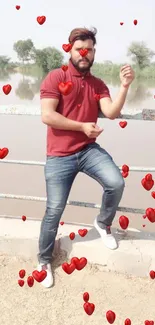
{"x":71,"y":148}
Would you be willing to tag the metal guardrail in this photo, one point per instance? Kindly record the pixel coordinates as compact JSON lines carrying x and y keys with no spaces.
{"x":73,"y":203}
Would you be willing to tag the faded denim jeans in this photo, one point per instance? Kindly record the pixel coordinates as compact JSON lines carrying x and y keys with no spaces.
{"x":60,"y":173}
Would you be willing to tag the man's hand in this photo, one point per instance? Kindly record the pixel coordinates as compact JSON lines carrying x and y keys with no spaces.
{"x":91,"y":130}
{"x":127,"y":75}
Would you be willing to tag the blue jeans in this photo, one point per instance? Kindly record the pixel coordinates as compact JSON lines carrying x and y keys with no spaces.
{"x":60,"y":173}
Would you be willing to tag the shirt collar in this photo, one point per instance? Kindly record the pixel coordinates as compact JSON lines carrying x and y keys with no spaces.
{"x":75,"y":72}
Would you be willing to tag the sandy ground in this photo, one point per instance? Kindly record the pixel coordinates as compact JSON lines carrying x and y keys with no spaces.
{"x":63,"y":304}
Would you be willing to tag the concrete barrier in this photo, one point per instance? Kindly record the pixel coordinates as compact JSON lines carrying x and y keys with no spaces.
{"x":135,"y":255}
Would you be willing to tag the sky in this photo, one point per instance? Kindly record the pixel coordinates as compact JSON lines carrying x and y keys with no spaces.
{"x":64,"y":15}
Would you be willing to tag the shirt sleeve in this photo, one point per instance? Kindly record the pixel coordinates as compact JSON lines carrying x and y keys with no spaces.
{"x":103,"y":90}
{"x":49,"y":86}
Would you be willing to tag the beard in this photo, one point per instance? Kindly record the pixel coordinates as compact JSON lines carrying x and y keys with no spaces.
{"x":81,"y":68}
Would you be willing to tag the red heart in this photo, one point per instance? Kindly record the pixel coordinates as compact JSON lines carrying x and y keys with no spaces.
{"x":83,"y":52}
{"x":152,"y":274}
{"x":64,"y":67}
{"x":153,"y":194}
{"x":124,"y":222}
{"x":67,"y":47}
{"x":68,"y":268}
{"x":82,"y":232}
{"x":7,"y":89}
{"x":149,"y":322}
{"x":148,"y":177}
{"x":110,"y":315}
{"x":150,"y":213}
{"x":17,"y":7}
{"x":61,"y":223}
{"x":41,"y":20}
{"x":30,"y":281}
{"x":3,"y":153}
{"x":97,"y":96}
{"x":72,"y":235}
{"x":125,"y":168}
{"x":23,"y":218}
{"x":86,"y":296}
{"x":66,"y":87}
{"x":21,"y":283}
{"x":121,"y":23}
{"x":89,"y":308}
{"x":79,"y":263}
{"x":127,"y":321}
{"x":135,"y":21}
{"x":22,"y":273}
{"x":39,"y":276}
{"x":125,"y":174}
{"x":123,"y":124}
{"x":147,"y":184}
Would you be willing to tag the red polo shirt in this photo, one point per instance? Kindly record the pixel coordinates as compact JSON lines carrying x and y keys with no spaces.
{"x":80,"y":105}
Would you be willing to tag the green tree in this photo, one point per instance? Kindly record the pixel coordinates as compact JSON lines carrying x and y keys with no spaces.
{"x":4,"y":62}
{"x":48,"y":59}
{"x":141,"y":54}
{"x":24,"y":50}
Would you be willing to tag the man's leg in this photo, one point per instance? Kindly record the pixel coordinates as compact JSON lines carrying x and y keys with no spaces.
{"x":60,"y":173}
{"x":98,"y":164}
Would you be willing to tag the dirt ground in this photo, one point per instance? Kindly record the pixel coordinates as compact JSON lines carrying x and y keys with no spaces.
{"x":128,"y":297}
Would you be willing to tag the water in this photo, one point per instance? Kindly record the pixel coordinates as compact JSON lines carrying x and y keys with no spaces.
{"x":25,"y":136}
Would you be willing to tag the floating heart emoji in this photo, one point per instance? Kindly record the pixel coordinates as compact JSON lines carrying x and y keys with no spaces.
{"x":89,"y":308}
{"x":148,"y":177}
{"x":67,"y":47}
{"x":124,"y":222}
{"x":22,"y":273}
{"x":150,"y":213}
{"x":79,"y":263}
{"x":110,"y":315}
{"x":68,"y":268}
{"x":83,"y":52}
{"x":121,"y":23}
{"x":97,"y":96}
{"x":147,"y":184}
{"x":65,"y":87}
{"x":127,"y":321}
{"x":72,"y":235}
{"x":135,"y":21}
{"x":153,"y":195}
{"x":6,"y":89}
{"x":21,"y":283}
{"x":3,"y":153}
{"x":23,"y":218}
{"x":149,"y":322}
{"x":82,"y":232}
{"x":17,"y":7}
{"x":125,"y":174}
{"x":125,"y":168}
{"x":152,"y":274}
{"x":30,"y":281}
{"x":61,"y":223}
{"x":41,"y":20}
{"x":86,"y":296}
{"x":64,"y":67}
{"x":39,"y":276}
{"x":123,"y":124}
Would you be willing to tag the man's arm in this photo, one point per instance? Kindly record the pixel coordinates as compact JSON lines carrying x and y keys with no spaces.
{"x":57,"y":121}
{"x":111,"y":109}
{"x":50,"y":95}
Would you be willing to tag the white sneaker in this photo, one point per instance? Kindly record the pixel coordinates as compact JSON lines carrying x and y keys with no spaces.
{"x":106,"y":235}
{"x":48,"y":281}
